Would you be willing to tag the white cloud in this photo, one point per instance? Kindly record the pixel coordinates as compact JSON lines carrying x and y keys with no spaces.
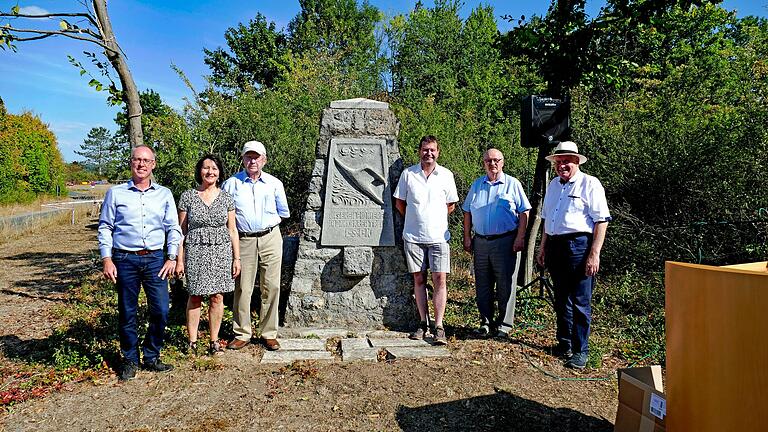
{"x":33,"y":10}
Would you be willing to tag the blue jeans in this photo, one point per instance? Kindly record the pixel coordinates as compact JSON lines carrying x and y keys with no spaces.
{"x":133,"y":271}
{"x":566,"y":257}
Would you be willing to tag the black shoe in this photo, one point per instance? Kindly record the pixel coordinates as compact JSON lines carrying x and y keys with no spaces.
{"x":157,"y":366}
{"x":421,"y":333}
{"x":562,"y":351}
{"x":482,"y":332}
{"x":128,"y":372}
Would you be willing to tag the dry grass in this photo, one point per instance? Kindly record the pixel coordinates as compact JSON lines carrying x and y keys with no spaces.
{"x":10,"y":232}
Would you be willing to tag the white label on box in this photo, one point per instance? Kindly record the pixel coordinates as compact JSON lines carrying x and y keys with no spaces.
{"x":658,"y":406}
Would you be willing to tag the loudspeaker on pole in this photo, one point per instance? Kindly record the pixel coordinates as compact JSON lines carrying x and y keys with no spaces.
{"x":544,"y":121}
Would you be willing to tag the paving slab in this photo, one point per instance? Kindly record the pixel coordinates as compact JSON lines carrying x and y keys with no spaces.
{"x":398,"y":342}
{"x":361,"y":354}
{"x":354,"y":343}
{"x":302,"y":344}
{"x":321,"y":333}
{"x":384,"y":334}
{"x":417,"y":352}
{"x":284,"y":356}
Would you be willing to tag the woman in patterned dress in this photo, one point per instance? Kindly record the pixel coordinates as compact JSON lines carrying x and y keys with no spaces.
{"x":210,"y":253}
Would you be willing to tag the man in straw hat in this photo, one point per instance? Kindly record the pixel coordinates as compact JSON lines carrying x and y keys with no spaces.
{"x":576,"y":217}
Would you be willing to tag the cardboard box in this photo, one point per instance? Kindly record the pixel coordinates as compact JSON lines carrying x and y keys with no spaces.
{"x":642,"y":403}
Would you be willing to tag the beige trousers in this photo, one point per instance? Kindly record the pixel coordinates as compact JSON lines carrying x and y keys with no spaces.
{"x":263,"y":255}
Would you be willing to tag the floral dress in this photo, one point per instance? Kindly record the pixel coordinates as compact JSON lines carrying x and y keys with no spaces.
{"x":207,"y":245}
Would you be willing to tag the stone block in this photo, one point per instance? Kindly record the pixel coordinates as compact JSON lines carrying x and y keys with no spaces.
{"x":309,"y":250}
{"x":359,"y":103}
{"x":308,"y":269}
{"x":310,"y":302}
{"x":314,"y":201}
{"x":398,"y":342}
{"x":302,"y":344}
{"x":324,"y":333}
{"x":286,"y":357}
{"x":416,"y":352}
{"x":358,"y":261}
{"x":302,"y":285}
{"x":319,"y":169}
{"x":350,"y":344}
{"x":366,"y":354}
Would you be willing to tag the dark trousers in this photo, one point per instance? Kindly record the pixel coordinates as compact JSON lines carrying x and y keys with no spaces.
{"x":494,"y":265}
{"x":565,"y":258}
{"x":134,"y":271}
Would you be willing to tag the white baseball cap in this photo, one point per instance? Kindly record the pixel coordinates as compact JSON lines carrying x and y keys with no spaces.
{"x":254,"y":146}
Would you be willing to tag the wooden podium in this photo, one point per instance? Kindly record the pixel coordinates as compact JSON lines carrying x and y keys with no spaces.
{"x":717,"y":347}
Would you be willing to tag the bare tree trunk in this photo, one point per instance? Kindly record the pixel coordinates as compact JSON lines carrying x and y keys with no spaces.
{"x":534,"y":220}
{"x":130,"y":92}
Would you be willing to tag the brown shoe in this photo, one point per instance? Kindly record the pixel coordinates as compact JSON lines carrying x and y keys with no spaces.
{"x":236,"y":344}
{"x":271,"y":344}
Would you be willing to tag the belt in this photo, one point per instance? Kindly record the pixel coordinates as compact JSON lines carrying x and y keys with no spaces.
{"x":569,"y":236}
{"x":495,"y":236}
{"x":261,"y":233}
{"x":138,"y":252}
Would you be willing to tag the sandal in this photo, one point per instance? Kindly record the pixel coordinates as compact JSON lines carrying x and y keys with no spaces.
{"x":192,"y":348}
{"x":216,"y":348}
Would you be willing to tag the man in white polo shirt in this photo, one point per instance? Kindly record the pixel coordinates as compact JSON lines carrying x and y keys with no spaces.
{"x":576,"y":218}
{"x":426,"y":195}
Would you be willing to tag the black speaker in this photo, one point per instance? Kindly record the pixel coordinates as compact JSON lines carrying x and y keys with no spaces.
{"x":544,"y":120}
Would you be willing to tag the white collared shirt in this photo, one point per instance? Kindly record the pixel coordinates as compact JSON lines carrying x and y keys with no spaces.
{"x":574,"y":206}
{"x":427,"y":199}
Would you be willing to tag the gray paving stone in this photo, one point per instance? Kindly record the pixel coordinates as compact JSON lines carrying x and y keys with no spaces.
{"x":364,"y":354}
{"x":385,"y":334}
{"x":417,"y":352}
{"x":302,"y":344}
{"x":284,"y":356}
{"x":399,"y":342}
{"x":350,"y":344}
{"x":324,"y":333}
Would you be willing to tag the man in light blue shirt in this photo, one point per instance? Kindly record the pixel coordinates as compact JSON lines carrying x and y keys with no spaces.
{"x":260,"y":206}
{"x":137,"y":220}
{"x":496,"y":211}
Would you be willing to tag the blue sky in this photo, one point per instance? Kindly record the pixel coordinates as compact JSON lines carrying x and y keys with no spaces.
{"x":155,"y":34}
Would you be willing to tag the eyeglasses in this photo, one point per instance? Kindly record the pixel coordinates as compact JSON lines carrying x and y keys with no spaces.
{"x":140,"y":160}
{"x":497,"y":160}
{"x":251,"y":158}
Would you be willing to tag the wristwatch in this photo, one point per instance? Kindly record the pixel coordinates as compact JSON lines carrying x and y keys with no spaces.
{"x":171,"y":257}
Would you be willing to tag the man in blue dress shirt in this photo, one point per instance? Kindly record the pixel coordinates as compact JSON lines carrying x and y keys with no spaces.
{"x":260,"y":206}
{"x":496,"y":211}
{"x":137,"y":220}
{"x":576,"y":217}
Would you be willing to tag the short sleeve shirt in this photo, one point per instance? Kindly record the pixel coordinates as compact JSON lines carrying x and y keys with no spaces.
{"x":259,"y":204}
{"x":426,"y":198}
{"x":495,"y":206}
{"x":574,"y":206}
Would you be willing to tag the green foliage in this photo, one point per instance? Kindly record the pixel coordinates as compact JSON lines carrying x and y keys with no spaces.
{"x":30,"y":162}
{"x":102,"y":154}
{"x":257,"y":58}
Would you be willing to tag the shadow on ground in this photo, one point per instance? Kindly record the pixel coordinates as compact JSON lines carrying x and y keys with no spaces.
{"x":52,"y":272}
{"x":501,"y":411}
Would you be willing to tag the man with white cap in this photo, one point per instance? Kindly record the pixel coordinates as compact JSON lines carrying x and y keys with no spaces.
{"x":260,"y":206}
{"x":576,"y":217}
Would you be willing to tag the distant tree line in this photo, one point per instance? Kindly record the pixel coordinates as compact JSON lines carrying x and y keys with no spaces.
{"x":30,"y":162}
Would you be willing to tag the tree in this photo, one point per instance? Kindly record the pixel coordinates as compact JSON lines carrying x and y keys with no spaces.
{"x":257,"y":57}
{"x":258,"y":53}
{"x":93,"y":26}
{"x":152,"y":107}
{"x":98,"y":149}
{"x":569,"y":49}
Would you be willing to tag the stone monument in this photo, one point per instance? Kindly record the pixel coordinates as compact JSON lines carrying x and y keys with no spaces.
{"x":350,"y":271}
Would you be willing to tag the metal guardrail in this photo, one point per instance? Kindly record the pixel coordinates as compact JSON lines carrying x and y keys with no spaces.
{"x":71,"y":206}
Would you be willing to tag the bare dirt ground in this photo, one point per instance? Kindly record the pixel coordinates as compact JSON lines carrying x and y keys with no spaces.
{"x":484,"y":385}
